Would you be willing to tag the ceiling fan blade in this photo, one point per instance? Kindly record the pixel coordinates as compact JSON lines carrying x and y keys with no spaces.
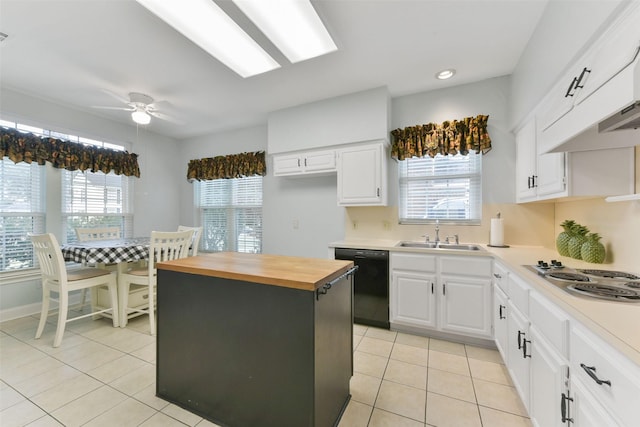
{"x":163,"y":116}
{"x":102,"y":107}
{"x":116,"y":96}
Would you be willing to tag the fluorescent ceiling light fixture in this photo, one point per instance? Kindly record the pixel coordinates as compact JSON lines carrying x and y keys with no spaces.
{"x":205,"y":24}
{"x":445,"y":74}
{"x":141,"y":117}
{"x":292,"y":25}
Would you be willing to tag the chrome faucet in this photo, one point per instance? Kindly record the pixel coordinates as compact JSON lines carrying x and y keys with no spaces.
{"x":455,"y":236}
{"x":437,"y":231}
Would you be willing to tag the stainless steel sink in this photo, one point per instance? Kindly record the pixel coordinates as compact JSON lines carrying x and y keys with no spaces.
{"x":440,"y":245}
{"x":426,"y":245}
{"x":459,"y":247}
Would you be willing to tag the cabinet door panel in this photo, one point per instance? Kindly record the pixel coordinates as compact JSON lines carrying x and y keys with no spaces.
{"x":518,"y":365}
{"x":526,"y":161}
{"x":360,"y":173}
{"x":413,"y":299}
{"x":500,"y":310}
{"x":550,"y":178}
{"x":318,"y":161}
{"x":465,"y":305}
{"x":587,"y":411}
{"x":548,"y":382}
{"x":287,"y":165}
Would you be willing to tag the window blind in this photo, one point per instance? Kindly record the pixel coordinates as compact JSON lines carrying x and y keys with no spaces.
{"x":231,"y":214}
{"x":22,"y":211}
{"x":446,"y":188}
{"x":96,"y":199}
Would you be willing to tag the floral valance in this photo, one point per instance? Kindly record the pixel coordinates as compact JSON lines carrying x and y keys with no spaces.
{"x":450,"y":137}
{"x":62,"y":154}
{"x":225,"y":167}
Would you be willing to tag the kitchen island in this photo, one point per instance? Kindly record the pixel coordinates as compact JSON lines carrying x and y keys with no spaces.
{"x":255,"y":340}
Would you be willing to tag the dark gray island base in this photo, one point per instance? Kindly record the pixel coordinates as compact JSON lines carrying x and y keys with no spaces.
{"x":242,"y":354}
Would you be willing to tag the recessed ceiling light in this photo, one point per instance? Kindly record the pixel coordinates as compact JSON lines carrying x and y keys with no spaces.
{"x":445,"y":74}
{"x":205,"y":24}
{"x":292,"y":25}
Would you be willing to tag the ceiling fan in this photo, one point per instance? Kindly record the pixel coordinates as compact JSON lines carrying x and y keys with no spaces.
{"x":141,"y":106}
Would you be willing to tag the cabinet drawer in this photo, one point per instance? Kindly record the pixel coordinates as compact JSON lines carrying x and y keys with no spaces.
{"x":500,"y":276}
{"x":518,"y":291}
{"x":622,"y":396}
{"x":552,"y":323}
{"x":466,"y":266}
{"x":413,"y":262}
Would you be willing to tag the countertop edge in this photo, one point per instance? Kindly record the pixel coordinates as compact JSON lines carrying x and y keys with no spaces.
{"x":210,"y":271}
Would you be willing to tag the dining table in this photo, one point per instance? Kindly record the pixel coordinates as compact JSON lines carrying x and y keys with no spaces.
{"x":102,"y":253}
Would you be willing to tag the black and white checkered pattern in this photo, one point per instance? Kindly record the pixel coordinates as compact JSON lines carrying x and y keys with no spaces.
{"x":107,"y":251}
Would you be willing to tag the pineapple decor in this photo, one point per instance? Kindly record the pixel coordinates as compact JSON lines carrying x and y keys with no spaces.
{"x":562,"y":241}
{"x":592,"y":250}
{"x":576,"y":241}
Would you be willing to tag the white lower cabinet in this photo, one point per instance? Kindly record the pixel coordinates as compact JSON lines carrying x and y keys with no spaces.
{"x":519,"y":352}
{"x":465,"y":305}
{"x":414,"y":300}
{"x":586,"y":410}
{"x":549,"y":405}
{"x":432,"y":292}
{"x":500,"y":310}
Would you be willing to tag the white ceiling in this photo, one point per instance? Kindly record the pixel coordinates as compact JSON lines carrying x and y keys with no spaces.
{"x":74,"y":52}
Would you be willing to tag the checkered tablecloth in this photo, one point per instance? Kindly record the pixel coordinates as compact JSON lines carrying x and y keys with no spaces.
{"x":107,"y":251}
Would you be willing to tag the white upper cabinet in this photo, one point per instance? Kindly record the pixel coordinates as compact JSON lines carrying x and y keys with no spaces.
{"x":599,"y":84}
{"x":537,"y":175}
{"x":305,"y":163}
{"x":362,"y":175}
{"x":543,"y":176}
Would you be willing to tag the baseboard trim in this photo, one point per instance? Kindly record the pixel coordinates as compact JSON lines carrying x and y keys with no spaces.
{"x":31,"y":309}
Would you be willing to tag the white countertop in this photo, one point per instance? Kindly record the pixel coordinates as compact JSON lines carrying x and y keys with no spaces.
{"x":617,"y":323}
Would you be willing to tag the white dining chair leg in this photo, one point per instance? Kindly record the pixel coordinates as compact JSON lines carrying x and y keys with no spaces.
{"x":45,"y":310}
{"x":152,"y":313}
{"x":63,"y":312}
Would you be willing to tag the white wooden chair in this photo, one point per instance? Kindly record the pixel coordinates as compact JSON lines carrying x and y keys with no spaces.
{"x":98,"y":233}
{"x":164,"y":246}
{"x":195,"y":240}
{"x":56,"y":278}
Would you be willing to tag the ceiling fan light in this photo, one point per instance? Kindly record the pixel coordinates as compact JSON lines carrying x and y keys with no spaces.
{"x":141,"y":117}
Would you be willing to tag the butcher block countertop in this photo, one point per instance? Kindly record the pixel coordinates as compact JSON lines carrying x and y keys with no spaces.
{"x":291,"y":272}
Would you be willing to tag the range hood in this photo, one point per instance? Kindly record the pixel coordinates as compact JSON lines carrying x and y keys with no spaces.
{"x":609,"y":117}
{"x":627,"y":118}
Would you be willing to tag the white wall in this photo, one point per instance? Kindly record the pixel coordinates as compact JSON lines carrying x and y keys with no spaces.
{"x":564,"y":31}
{"x":487,"y":97}
{"x":311,"y":202}
{"x":361,"y":116}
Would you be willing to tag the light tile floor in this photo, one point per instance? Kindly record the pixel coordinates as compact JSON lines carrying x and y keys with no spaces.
{"x":105,"y":376}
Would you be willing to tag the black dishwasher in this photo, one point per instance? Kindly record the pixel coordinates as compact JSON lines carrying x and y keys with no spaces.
{"x":370,"y":285}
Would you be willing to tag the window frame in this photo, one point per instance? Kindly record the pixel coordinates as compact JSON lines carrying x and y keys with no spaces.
{"x":472,"y":200}
{"x":231,"y":212}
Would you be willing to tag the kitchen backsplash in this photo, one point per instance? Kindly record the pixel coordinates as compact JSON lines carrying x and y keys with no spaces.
{"x":526,"y":224}
{"x":529,"y":224}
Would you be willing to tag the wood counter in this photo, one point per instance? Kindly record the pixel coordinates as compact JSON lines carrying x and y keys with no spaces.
{"x":291,"y":272}
{"x":256,"y":340}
